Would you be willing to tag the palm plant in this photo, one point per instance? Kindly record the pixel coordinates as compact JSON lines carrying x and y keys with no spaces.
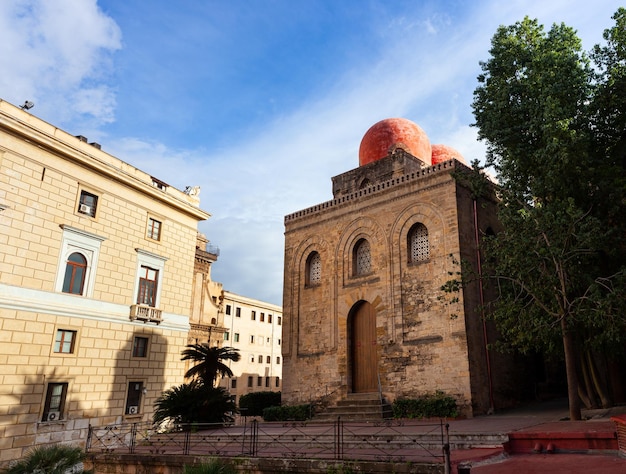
{"x":209,"y":361}
{"x":194,"y":402}
{"x":57,"y":459}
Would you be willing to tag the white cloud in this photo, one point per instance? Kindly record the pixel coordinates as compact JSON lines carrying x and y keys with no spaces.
{"x":55,"y":53}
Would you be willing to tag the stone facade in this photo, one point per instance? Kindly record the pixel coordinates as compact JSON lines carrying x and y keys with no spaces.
{"x":414,"y":220}
{"x":207,"y":309}
{"x":96,"y":259}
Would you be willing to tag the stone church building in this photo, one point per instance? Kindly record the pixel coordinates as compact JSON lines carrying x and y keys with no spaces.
{"x":363,"y":307}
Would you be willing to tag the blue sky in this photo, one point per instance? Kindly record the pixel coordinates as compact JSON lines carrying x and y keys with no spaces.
{"x":258,"y":102}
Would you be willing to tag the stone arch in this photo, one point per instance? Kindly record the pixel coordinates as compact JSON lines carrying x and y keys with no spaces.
{"x":313,"y":330}
{"x":361,"y":228}
{"x":408,"y":287}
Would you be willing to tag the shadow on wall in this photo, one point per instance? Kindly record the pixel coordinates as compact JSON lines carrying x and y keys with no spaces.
{"x":42,"y":411}
{"x":139,"y":377}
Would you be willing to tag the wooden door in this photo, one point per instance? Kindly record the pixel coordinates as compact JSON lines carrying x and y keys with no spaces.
{"x":364,"y":353}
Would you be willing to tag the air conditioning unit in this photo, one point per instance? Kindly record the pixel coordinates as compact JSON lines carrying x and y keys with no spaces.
{"x":53,"y":416}
{"x":133,"y":410}
{"x":84,"y":208}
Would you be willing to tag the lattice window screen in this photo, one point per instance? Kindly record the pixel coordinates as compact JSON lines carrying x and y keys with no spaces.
{"x":420,"y":247}
{"x":315,"y":269}
{"x":363,"y":258}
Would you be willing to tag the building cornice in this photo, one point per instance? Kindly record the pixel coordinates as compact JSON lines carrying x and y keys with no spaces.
{"x":56,"y":141}
{"x":60,"y":304}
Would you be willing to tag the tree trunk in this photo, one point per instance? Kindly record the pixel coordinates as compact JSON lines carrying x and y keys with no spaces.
{"x":571,"y":373}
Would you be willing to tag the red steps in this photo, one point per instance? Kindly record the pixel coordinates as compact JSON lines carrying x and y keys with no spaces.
{"x":565,"y":436}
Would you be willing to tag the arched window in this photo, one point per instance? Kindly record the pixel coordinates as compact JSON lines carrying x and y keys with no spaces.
{"x":362,"y":258}
{"x":313,"y":269}
{"x":418,"y":245}
{"x":75,"y":270}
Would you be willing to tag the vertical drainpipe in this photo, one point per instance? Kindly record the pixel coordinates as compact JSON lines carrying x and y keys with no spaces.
{"x":482,"y":307}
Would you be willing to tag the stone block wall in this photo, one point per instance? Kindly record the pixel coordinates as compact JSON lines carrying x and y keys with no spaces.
{"x":421,"y":348}
{"x":42,"y":173}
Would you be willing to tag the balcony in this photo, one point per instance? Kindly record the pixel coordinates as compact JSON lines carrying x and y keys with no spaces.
{"x":145,"y":313}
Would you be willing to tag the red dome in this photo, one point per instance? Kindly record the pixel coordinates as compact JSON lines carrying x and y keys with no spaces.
{"x":390,"y":133}
{"x":445,"y":153}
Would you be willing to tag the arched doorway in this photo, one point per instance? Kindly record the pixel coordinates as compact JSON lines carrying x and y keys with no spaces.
{"x":363,"y":351}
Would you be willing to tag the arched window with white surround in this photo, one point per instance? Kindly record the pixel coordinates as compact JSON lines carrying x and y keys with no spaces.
{"x":78,"y":262}
{"x":75,"y":272}
{"x":362,"y":258}
{"x":313,"y":269}
{"x":418,"y":243}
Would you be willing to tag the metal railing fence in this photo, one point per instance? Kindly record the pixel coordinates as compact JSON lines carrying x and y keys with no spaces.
{"x":387,"y":440}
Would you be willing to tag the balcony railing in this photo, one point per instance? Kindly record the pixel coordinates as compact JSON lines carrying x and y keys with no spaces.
{"x":145,"y":313}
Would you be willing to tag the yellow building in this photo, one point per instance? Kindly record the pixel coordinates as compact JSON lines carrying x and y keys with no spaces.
{"x":96,"y":265}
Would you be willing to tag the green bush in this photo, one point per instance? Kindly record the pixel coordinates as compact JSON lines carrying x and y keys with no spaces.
{"x":253,"y":404}
{"x":437,"y":405}
{"x":291,"y":413}
{"x":213,"y":466}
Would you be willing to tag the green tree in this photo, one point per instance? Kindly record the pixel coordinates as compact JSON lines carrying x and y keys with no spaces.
{"x":194,"y":402}
{"x":209,"y":361}
{"x":559,"y":262}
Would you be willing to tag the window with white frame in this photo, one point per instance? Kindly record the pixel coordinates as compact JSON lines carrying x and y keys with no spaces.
{"x":150,"y":269}
{"x":75,"y":270}
{"x":78,"y":261}
{"x":148,"y":284}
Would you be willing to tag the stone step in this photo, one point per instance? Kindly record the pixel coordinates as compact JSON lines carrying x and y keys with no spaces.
{"x":358,"y":402}
{"x":558,"y":437}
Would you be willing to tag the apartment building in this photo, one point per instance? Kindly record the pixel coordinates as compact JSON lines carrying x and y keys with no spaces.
{"x":255,"y":328}
{"x":96,"y":265}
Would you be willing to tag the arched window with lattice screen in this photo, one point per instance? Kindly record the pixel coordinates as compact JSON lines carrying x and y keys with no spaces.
{"x":313,"y":269}
{"x":418,"y":244}
{"x":361,"y":258}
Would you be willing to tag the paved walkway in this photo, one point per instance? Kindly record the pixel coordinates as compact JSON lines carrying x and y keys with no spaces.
{"x":545,"y":417}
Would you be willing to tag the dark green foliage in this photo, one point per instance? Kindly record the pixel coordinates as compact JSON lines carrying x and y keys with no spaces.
{"x":290,"y":413}
{"x":437,"y":405}
{"x":57,"y":459}
{"x":194,"y":402}
{"x":213,"y":466}
{"x":209,"y":361}
{"x":556,"y":135}
{"x":253,"y":404}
